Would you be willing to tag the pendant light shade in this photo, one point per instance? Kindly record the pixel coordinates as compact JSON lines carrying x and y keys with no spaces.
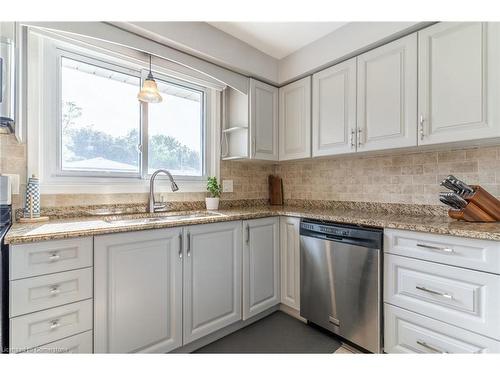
{"x":149,"y":92}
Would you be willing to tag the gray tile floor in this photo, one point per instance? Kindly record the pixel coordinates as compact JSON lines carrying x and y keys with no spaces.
{"x":276,"y":333}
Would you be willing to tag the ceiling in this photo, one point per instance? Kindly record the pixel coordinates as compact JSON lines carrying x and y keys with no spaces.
{"x":278,"y":39}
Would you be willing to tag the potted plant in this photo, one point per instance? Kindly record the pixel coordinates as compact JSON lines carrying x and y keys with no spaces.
{"x":214,"y":188}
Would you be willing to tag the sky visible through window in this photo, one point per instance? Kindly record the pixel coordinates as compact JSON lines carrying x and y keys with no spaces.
{"x":101,"y":123}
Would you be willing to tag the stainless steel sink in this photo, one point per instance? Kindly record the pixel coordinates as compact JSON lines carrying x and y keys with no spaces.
{"x":160,"y":218}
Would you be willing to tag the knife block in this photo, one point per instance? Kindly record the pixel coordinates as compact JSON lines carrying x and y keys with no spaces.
{"x":481,"y":207}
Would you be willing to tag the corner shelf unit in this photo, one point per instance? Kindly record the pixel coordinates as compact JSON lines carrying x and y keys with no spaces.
{"x":235,"y":125}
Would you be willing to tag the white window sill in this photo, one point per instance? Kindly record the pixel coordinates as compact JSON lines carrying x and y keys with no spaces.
{"x":116,"y":187}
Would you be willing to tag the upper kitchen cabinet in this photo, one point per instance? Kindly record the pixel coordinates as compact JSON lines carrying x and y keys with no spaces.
{"x":459,"y":82}
{"x":334,"y":110}
{"x":138,"y":292}
{"x":387,"y":96}
{"x":295,"y":120}
{"x":212,"y":278}
{"x":263,"y":121}
{"x":250,"y":123}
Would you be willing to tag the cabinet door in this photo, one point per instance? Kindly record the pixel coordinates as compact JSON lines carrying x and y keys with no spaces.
{"x":263,"y":121}
{"x":260,"y":266}
{"x":290,"y":261}
{"x":334,"y":110}
{"x":387,"y":96}
{"x":212,"y":278}
{"x":458,"y":82}
{"x":138,"y":292}
{"x":295,"y":120}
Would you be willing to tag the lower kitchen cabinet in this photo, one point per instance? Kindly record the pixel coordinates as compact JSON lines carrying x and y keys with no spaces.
{"x":408,"y":332}
{"x":261,"y":266}
{"x":138,"y":291}
{"x":212,"y":278}
{"x":290,"y":261}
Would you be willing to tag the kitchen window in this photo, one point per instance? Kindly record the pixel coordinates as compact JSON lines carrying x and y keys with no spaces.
{"x":94,"y":133}
{"x":101,"y":126}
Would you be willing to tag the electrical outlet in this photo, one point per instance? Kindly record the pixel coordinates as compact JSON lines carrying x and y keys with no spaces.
{"x":14,"y":182}
{"x":227,"y":186}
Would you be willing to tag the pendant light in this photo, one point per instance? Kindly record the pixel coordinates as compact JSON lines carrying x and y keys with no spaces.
{"x":149,"y":92}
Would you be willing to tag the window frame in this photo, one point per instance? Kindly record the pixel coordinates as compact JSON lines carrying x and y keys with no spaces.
{"x":204,"y":131}
{"x":42,"y":47}
{"x":63,"y":53}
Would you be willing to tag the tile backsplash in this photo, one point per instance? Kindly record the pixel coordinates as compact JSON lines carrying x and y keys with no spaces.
{"x":249,"y":181}
{"x":401,"y":177}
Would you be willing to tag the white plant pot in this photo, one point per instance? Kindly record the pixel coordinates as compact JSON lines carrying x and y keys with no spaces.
{"x":212,"y":203}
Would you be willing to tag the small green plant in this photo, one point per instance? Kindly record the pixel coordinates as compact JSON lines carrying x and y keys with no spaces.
{"x":213,"y":187}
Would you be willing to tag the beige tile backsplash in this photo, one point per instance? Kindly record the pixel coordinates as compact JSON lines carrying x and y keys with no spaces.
{"x":249,"y":181}
{"x":399,"y":177}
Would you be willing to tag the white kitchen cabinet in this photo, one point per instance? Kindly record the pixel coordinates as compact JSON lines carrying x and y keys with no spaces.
{"x":459,"y":82}
{"x":407,"y":332}
{"x":250,"y":123}
{"x":387,"y":96}
{"x":334,"y":110}
{"x":295,"y":120}
{"x":263,"y":121}
{"x":138,"y":291}
{"x":212,"y":278}
{"x":261,"y":262}
{"x":290,"y":261}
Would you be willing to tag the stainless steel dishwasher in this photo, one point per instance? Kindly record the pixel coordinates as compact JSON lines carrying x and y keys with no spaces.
{"x":340,"y":280}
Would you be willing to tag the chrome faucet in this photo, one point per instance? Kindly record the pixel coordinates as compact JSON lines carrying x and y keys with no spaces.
{"x":153,"y":206}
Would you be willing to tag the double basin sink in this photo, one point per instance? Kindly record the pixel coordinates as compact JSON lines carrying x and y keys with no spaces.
{"x":160,"y":218}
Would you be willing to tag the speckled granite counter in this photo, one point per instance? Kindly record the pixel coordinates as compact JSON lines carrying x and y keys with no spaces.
{"x":90,"y":226}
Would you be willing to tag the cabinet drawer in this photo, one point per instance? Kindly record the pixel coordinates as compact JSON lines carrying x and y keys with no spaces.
{"x":32,"y":330}
{"x":479,"y":255}
{"x":43,"y":292}
{"x":77,"y":344}
{"x":407,"y":332}
{"x":48,"y":257}
{"x":466,"y":298}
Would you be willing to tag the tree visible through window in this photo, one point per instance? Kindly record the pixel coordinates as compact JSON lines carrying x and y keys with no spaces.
{"x":100,"y":123}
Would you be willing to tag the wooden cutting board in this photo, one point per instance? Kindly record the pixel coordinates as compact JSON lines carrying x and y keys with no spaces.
{"x":275,"y":190}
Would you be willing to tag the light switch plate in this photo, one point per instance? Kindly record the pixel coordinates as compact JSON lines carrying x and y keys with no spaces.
{"x":227,"y":186}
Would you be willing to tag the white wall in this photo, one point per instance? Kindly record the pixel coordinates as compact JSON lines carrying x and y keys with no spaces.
{"x":348,"y":41}
{"x":210,"y":43}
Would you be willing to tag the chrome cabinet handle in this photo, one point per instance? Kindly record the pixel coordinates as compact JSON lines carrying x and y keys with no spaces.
{"x":248,"y":234}
{"x":54,"y":290}
{"x":189,"y":244}
{"x":180,"y":245}
{"x":54,"y":324}
{"x":443,"y":249}
{"x":421,"y":126}
{"x":353,"y":134}
{"x":254,"y":148}
{"x":54,"y":257}
{"x":359,"y":137}
{"x":430,"y":291}
{"x":430,"y":347}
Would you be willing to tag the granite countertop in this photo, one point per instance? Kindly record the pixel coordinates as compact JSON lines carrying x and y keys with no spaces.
{"x":91,"y":226}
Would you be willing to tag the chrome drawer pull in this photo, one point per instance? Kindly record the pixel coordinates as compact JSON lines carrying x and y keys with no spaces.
{"x":54,"y":324}
{"x":424,"y":289}
{"x":443,"y":249}
{"x":54,"y":257}
{"x":55,"y":290}
{"x":430,"y":347}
